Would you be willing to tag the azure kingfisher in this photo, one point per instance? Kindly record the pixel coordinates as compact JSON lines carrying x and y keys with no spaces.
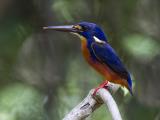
{"x":98,"y":53}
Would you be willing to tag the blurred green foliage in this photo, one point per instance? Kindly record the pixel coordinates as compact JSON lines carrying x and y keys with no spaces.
{"x":43,"y":75}
{"x":141,"y":47}
{"x":21,"y":102}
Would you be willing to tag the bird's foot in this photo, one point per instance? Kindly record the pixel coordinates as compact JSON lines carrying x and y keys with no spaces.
{"x":103,"y":85}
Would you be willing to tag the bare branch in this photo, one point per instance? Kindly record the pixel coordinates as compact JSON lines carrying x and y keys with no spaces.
{"x":91,"y":103}
{"x":110,"y":102}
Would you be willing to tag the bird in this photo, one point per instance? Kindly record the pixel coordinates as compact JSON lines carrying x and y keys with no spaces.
{"x":99,"y":53}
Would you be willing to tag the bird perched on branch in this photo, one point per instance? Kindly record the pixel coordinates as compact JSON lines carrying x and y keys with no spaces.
{"x":98,"y":53}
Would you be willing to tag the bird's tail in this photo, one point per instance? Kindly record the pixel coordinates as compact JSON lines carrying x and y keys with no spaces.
{"x":129,"y":80}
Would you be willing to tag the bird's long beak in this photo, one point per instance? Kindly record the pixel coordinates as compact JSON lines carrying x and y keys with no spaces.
{"x":65,"y":28}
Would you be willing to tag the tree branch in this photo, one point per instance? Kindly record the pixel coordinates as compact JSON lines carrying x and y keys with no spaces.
{"x":91,"y":103}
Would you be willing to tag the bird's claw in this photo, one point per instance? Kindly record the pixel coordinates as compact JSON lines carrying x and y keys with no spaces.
{"x":103,"y":85}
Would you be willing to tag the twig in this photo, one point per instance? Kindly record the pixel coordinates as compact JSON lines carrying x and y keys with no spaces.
{"x":91,"y":103}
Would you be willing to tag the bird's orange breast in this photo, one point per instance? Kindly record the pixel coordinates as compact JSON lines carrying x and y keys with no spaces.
{"x":103,"y":69}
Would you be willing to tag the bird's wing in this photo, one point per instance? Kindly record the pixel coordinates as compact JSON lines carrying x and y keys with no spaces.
{"x":106,"y":55}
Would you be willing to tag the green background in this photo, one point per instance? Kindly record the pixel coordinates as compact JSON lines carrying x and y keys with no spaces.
{"x":43,"y":74}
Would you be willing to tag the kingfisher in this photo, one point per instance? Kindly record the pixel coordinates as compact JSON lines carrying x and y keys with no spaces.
{"x":98,"y":53}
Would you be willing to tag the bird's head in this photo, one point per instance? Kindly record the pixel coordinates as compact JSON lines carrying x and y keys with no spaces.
{"x":85,"y":29}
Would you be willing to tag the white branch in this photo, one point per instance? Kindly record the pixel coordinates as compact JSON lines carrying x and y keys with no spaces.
{"x":91,"y":103}
{"x":110,"y":102}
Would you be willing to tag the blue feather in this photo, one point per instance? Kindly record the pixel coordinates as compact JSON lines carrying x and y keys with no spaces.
{"x":92,"y":30}
{"x":106,"y":54}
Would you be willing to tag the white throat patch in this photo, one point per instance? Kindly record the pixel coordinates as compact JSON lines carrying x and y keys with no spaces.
{"x":98,"y":40}
{"x":80,"y":36}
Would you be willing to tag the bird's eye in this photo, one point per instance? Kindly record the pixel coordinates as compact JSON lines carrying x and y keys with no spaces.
{"x":84,"y":28}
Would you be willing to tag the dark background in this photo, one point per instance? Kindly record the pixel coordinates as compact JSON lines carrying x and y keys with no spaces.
{"x":42,"y":73}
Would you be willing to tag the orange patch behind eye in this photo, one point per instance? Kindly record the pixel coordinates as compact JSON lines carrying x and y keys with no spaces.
{"x":78,"y":27}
